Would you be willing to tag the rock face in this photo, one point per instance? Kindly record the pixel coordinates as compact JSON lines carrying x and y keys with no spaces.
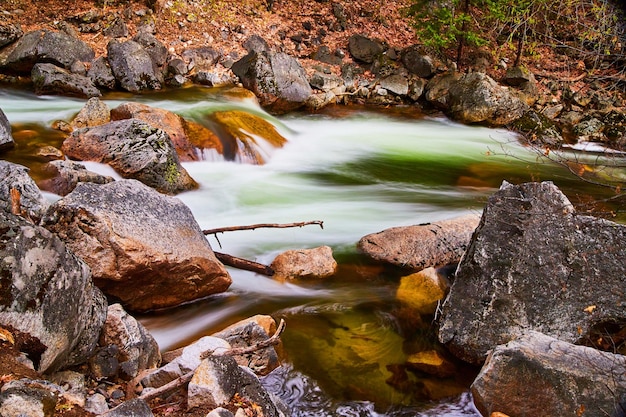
{"x":144,"y":248}
{"x":32,"y":202}
{"x":534,"y":264}
{"x":135,"y":150}
{"x":305,"y":263}
{"x":477,"y":98}
{"x":6,"y":138}
{"x":57,"y":48}
{"x":422,"y":246}
{"x":47,"y":292}
{"x":539,"y":375}
{"x":132,"y":66}
{"x":277,"y":79}
{"x":50,"y":79}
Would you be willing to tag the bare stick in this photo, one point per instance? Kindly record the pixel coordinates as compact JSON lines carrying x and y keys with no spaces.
{"x":261,"y":345}
{"x":245,"y":264}
{"x":262,"y":225}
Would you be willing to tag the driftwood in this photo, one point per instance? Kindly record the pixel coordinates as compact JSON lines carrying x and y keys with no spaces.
{"x":262,"y":225}
{"x":245,"y":264}
{"x":184,"y":379}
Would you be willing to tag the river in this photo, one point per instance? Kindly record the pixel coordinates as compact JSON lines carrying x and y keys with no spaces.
{"x":359,"y":172}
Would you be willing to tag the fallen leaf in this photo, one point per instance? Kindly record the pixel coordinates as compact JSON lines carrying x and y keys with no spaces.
{"x":6,"y":336}
{"x":590,"y":309}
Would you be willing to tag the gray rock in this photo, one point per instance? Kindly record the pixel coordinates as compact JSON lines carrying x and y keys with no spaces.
{"x":220,"y":412}
{"x":256,"y":43}
{"x":57,"y":48}
{"x":132,"y":66}
{"x":417,"y":86}
{"x":534,"y":264}
{"x":421,"y":246}
{"x":143,"y":247}
{"x":48,"y":294}
{"x":96,"y":404}
{"x":305,"y":263}
{"x":157,"y":51}
{"x":6,"y":136}
{"x":517,"y":76}
{"x":9,"y":33}
{"x":438,"y":89}
{"x":27,"y":397}
{"x":101,"y":74}
{"x":538,"y":129}
{"x":177,"y":67}
{"x":135,"y":150}
{"x":116,"y":29}
{"x":364,"y":49}
{"x":588,"y":129}
{"x":131,"y":408}
{"x":418,"y":63}
{"x":50,"y":79}
{"x":537,"y":375}
{"x":66,"y":174}
{"x":94,"y":113}
{"x":325,"y":82}
{"x":323,"y":54}
{"x":277,"y":79}
{"x":72,"y":384}
{"x":32,"y":202}
{"x":201,"y":58}
{"x":396,"y":84}
{"x":477,"y":98}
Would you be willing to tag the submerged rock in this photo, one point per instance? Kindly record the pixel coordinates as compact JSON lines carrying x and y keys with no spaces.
{"x":534,"y":264}
{"x":305,"y":263}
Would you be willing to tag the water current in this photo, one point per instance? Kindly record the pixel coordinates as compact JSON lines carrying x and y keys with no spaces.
{"x":358,"y":171}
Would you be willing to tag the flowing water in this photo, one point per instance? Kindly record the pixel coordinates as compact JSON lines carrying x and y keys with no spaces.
{"x":359,"y":172}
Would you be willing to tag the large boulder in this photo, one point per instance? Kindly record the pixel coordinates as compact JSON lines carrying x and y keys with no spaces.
{"x":135,"y":150}
{"x":47,"y":293}
{"x":53,"y":47}
{"x":537,"y":375}
{"x":534,"y":264}
{"x":144,"y":248}
{"x":421,"y":246}
{"x":277,"y":79}
{"x":156,"y":50}
{"x":477,"y":98}
{"x":364,"y":49}
{"x":32,"y":204}
{"x":132,"y":66}
{"x":50,"y":79}
{"x":417,"y":62}
{"x":6,"y":137}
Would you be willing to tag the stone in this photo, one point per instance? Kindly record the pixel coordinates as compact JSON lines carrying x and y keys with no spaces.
{"x":396,"y":84}
{"x":201,"y":58}
{"x":9,"y":33}
{"x":422,"y":290}
{"x":177,"y":66}
{"x":94,"y":113}
{"x":48,"y":294}
{"x":538,"y":129}
{"x":560,"y":378}
{"x":156,"y":50}
{"x":96,"y":404}
{"x":101,"y":74}
{"x":517,"y":76}
{"x":220,"y":412}
{"x":14,"y":176}
{"x":26,"y":397}
{"x":66,"y":174}
{"x":438,"y":89}
{"x":256,"y":43}
{"x":143,"y":247}
{"x":6,"y":137}
{"x":132,"y":66}
{"x":535,"y":264}
{"x":305,"y":263}
{"x":325,"y":82}
{"x":421,"y":246}
{"x":417,"y":62}
{"x":431,"y":362}
{"x":50,"y":79}
{"x":116,"y":29}
{"x":364,"y":49}
{"x":323,"y":54}
{"x":131,"y":408}
{"x":134,"y":149}
{"x":73,"y":386}
{"x":416,"y":88}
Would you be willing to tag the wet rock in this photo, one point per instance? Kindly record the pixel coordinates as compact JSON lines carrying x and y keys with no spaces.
{"x":560,"y":378}
{"x":135,"y":150}
{"x":143,"y":247}
{"x":50,"y":79}
{"x":417,"y":62}
{"x":396,"y":84}
{"x":534,"y":264}
{"x":48,"y":294}
{"x":9,"y":33}
{"x":422,"y":290}
{"x":538,"y":129}
{"x":52,"y":47}
{"x":305,"y":263}
{"x":277,"y":79}
{"x":421,"y":246}
{"x":132,"y":66}
{"x":249,"y":332}
{"x":477,"y":98}
{"x":137,"y":349}
{"x":364,"y":49}
{"x":6,"y":138}
{"x":101,"y":74}
{"x":32,"y":202}
{"x":65,"y":175}
{"x":94,"y":113}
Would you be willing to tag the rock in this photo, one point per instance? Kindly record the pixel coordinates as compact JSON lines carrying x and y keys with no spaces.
{"x":177,"y":66}
{"x":422,"y":290}
{"x":538,"y":129}
{"x":28,"y":397}
{"x":305,"y":263}
{"x":518,"y":76}
{"x":113,"y":228}
{"x":156,"y":50}
{"x":249,"y":332}
{"x":131,"y":408}
{"x":213,"y":78}
{"x":277,"y":79}
{"x":135,"y":150}
{"x":96,"y":404}
{"x":48,"y":294}
{"x":319,"y":100}
{"x":438,"y":89}
{"x":219,"y":378}
{"x":94,"y":113}
{"x":116,"y":29}
{"x":32,"y":202}
{"x":132,"y":66}
{"x":560,"y":378}
{"x":6,"y":137}
{"x":65,"y":175}
{"x":431,"y":362}
{"x":416,"y":88}
{"x":477,"y":98}
{"x":421,"y":246}
{"x":186,"y":360}
{"x":256,"y":43}
{"x":57,"y":48}
{"x":418,"y":63}
{"x":170,"y":122}
{"x":364,"y":49}
{"x":325,"y":82}
{"x":201,"y":58}
{"x":534,"y":264}
{"x":50,"y":79}
{"x":220,"y":412}
{"x":9,"y":33}
{"x":396,"y":84}
{"x":137,"y":349}
{"x":101,"y":74}
{"x":72,"y":385}
{"x":323,"y":54}
{"x":589,"y":129}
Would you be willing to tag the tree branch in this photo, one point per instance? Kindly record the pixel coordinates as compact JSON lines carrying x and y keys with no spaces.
{"x":262,"y":225}
{"x":244,"y":264}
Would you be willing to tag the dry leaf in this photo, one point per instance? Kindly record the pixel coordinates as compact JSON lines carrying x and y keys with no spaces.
{"x":590,"y":309}
{"x":6,"y":336}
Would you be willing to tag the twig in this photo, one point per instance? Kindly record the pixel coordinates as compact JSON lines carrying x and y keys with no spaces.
{"x":262,"y":225}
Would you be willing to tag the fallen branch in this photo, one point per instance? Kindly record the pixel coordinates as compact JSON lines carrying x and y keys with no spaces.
{"x":262,"y":225}
{"x":245,"y":264}
{"x":184,"y":379}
